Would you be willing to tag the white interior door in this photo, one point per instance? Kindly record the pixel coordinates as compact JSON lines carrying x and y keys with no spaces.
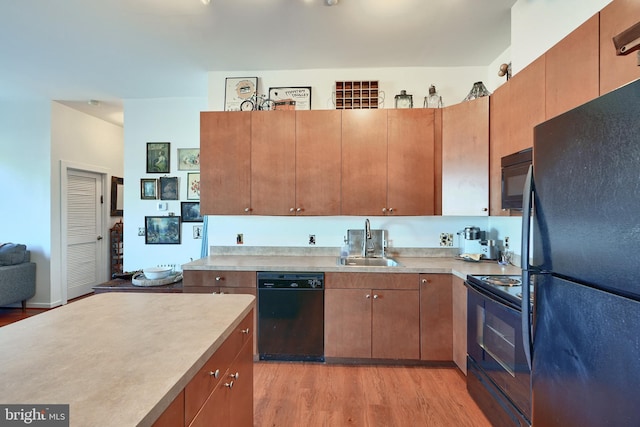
{"x":84,"y":232}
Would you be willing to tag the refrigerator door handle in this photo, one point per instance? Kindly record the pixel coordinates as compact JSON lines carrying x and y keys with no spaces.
{"x":526,"y":275}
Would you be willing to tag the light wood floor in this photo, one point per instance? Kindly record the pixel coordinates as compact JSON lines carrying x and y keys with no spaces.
{"x":313,"y":394}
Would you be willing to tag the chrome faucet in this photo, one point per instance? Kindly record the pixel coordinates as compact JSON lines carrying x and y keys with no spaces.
{"x":367,"y":236}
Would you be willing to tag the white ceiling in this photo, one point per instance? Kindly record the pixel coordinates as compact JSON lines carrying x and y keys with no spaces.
{"x":110,"y":50}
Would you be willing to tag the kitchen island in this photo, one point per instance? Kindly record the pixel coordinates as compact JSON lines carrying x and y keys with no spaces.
{"x":118,"y":359}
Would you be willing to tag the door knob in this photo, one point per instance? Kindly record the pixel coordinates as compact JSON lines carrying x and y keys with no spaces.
{"x":99,"y":238}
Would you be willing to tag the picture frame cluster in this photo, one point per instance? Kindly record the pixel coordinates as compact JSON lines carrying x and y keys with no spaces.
{"x":167,"y":229}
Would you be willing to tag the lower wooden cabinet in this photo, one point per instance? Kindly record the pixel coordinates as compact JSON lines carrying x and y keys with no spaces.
{"x":221,"y":392}
{"x":436,"y":335}
{"x":370,"y":315}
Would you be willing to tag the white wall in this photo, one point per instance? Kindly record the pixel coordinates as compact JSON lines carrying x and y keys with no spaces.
{"x":87,"y":143}
{"x":536,"y":26}
{"x":25,"y":174}
{"x":173,"y":120}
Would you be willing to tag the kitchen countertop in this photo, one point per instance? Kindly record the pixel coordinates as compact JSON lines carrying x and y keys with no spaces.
{"x":118,"y":359}
{"x":326,"y":264}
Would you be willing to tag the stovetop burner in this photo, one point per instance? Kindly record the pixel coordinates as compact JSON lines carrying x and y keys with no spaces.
{"x":502,"y":280}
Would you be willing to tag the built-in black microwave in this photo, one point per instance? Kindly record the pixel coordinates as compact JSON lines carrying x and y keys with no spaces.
{"x":514,"y":173}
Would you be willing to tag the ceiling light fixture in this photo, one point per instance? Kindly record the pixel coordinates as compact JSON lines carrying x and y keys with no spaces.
{"x":331,"y":2}
{"x":205,"y":2}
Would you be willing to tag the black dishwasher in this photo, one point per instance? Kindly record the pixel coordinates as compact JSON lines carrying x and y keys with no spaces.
{"x":291,"y":316}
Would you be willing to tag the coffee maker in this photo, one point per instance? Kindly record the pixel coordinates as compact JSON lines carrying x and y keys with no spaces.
{"x":473,"y":241}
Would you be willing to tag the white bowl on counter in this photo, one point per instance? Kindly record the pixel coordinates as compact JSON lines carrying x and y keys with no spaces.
{"x":155,"y":273}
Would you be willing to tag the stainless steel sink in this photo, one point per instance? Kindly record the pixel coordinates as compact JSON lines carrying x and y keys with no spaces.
{"x":368,"y":262}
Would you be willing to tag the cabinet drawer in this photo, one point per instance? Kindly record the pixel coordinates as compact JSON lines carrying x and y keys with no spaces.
{"x":371,"y":281}
{"x":215,"y":278}
{"x":215,"y":369}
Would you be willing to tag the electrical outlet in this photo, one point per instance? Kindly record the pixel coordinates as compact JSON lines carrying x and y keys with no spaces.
{"x":506,"y":243}
{"x":446,"y":239}
{"x":140,"y":231}
{"x":312,"y":239}
{"x":239,"y":239}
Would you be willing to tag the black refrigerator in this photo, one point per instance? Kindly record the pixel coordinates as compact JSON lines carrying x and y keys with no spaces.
{"x":583,"y":332}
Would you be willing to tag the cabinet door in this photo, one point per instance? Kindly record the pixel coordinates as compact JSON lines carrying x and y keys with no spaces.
{"x":460,"y":324}
{"x":395,"y":324}
{"x":615,"y":70}
{"x":173,"y":416}
{"x":225,"y":169}
{"x":273,"y":148}
{"x":318,"y":162}
{"x":499,"y":137}
{"x":364,"y":162}
{"x":410,"y":170}
{"x":572,"y":69}
{"x":347,"y":331}
{"x":436,"y":318}
{"x":241,"y":393}
{"x":465,"y":158}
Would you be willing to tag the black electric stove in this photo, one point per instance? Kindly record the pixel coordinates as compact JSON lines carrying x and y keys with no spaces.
{"x":506,"y":287}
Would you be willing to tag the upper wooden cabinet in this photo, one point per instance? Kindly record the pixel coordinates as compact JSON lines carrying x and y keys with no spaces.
{"x":273,"y":155}
{"x":465,"y":158}
{"x":318,"y":162}
{"x":225,"y":163}
{"x":327,"y":162}
{"x":410,"y":166}
{"x":572,"y":69}
{"x":364,"y":162}
{"x":515,"y":108}
{"x":616,"y":71}
{"x":388,"y":162}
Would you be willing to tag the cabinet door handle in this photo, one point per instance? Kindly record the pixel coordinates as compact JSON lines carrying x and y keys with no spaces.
{"x":245,"y":331}
{"x":292,"y":210}
{"x":214,"y":374}
{"x":298,"y":209}
{"x":235,"y":376}
{"x":390,"y":210}
{"x":425,"y":281}
{"x":219,"y":278}
{"x":229,"y":384}
{"x":375,"y":296}
{"x":367,"y":296}
{"x":247,"y":210}
{"x":384,"y":210}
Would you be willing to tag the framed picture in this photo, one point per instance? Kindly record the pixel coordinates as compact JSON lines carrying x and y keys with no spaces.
{"x":188,"y":159}
{"x":148,"y":189}
{"x":162,"y":230}
{"x":169,"y":188}
{"x":197,"y":231}
{"x":300,"y":95}
{"x":193,"y":186}
{"x":117,"y":196}
{"x":190,"y":212}
{"x":158,"y":157}
{"x":237,"y":90}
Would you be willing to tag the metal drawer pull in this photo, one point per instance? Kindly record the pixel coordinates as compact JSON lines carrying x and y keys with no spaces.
{"x":234,"y":376}
{"x":229,"y":384}
{"x":215,"y":374}
{"x":245,"y":331}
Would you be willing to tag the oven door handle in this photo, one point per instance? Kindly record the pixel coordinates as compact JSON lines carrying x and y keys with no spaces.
{"x":527,"y":341}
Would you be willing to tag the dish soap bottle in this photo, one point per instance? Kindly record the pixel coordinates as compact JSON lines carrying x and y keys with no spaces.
{"x":344,"y":251}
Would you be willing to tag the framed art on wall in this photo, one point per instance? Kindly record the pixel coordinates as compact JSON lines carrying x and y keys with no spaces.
{"x":158,"y":157}
{"x":188,"y":159}
{"x":117,"y":196}
{"x":148,"y":188}
{"x":237,"y":90}
{"x":162,"y":230}
{"x":301,"y":95}
{"x":193,"y":186}
{"x":169,"y":188}
{"x":190,"y":212}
